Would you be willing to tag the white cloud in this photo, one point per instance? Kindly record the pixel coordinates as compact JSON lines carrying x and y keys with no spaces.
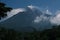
{"x":40,"y":18}
{"x":15,"y":11}
{"x":12,"y":13}
{"x":43,"y":17}
{"x":56,"y":18}
{"x":32,"y":7}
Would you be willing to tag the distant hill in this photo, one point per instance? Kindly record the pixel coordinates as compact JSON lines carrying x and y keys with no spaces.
{"x":24,"y":18}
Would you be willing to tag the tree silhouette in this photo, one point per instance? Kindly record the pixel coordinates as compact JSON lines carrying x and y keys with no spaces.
{"x":3,"y":10}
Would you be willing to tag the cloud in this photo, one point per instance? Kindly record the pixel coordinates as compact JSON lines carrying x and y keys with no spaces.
{"x":47,"y":15}
{"x":12,"y":13}
{"x":15,"y":11}
{"x":34,"y":8}
{"x":40,"y":18}
{"x":56,"y":19}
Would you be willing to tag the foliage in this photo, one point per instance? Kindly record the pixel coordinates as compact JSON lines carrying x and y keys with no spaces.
{"x":48,"y":34}
{"x":3,"y":10}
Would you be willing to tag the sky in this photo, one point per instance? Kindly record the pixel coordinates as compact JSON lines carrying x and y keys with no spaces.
{"x":52,"y":5}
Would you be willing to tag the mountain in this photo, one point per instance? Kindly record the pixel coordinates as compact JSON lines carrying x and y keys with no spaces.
{"x":24,"y":20}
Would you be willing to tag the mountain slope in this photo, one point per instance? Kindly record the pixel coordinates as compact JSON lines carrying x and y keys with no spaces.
{"x":24,"y":20}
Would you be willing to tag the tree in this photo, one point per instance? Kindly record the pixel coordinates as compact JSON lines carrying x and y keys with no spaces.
{"x":3,"y":10}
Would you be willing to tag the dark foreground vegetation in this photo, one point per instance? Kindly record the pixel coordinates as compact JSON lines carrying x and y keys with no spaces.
{"x":48,"y":34}
{"x":3,"y":10}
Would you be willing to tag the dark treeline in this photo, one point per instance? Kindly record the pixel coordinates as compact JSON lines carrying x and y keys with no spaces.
{"x":4,"y":9}
{"x":47,"y":34}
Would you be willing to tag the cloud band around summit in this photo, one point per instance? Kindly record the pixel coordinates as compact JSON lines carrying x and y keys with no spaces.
{"x":46,"y":15}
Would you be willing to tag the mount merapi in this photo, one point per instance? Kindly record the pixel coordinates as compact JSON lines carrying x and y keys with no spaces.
{"x":24,"y":20}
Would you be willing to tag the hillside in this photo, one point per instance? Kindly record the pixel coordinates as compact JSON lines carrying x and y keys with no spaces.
{"x":48,"y":34}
